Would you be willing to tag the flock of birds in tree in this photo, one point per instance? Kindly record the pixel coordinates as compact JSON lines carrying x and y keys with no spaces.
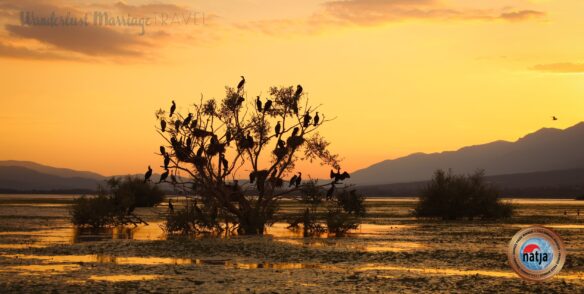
{"x":244,"y":142}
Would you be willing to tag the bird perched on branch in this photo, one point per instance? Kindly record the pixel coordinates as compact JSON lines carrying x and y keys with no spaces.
{"x":259,"y":104}
{"x":148,"y":174}
{"x":162,"y":150}
{"x":298,"y":179}
{"x":268,"y":105}
{"x":172,"y":108}
{"x":295,"y":132}
{"x":241,"y":84}
{"x":338,"y":176}
{"x":316,"y":119}
{"x":293,"y":181}
{"x":166,"y":160}
{"x":163,"y":125}
{"x":307,"y":119}
{"x":278,"y":128}
{"x":163,"y":176}
{"x":187,"y":120}
{"x":298,"y":92}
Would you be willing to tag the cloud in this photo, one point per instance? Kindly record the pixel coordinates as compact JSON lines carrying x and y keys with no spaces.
{"x":168,"y":24}
{"x":371,"y":12}
{"x":565,"y":67}
{"x":20,"y":52}
{"x":521,"y":15}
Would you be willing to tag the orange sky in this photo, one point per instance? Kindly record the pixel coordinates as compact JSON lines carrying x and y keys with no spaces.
{"x":401,"y":76}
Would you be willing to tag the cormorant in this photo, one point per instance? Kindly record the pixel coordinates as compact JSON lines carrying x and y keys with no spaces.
{"x":307,"y":119}
{"x":148,"y":174}
{"x":259,"y":104}
{"x":166,"y":160}
{"x":316,"y":119}
{"x":162,"y":150}
{"x":295,"y":132}
{"x":299,"y":179}
{"x":240,"y":100}
{"x":240,"y":85}
{"x":163,"y":176}
{"x":268,"y":105}
{"x":163,"y":125}
{"x":292,"y":181}
{"x":194,"y":124}
{"x":172,"y":108}
{"x":277,"y":129}
{"x":298,"y":92}
{"x":187,"y":119}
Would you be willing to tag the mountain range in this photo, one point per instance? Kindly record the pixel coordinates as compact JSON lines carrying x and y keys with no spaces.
{"x":546,"y":163}
{"x":548,"y":149}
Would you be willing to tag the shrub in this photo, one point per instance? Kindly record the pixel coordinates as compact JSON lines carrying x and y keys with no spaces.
{"x":114,"y":205}
{"x":453,"y":197}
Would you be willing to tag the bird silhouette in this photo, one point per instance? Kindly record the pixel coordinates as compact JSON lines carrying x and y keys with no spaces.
{"x":172,"y":108}
{"x":224,"y":162}
{"x":259,"y":104}
{"x":281,"y":144}
{"x":163,"y":176}
{"x":277,"y":128}
{"x":293,"y":181}
{"x":554,"y":118}
{"x":166,"y":160}
{"x":162,"y":150}
{"x":316,"y":119}
{"x":163,"y":125}
{"x":240,"y":100}
{"x":148,"y":174}
{"x":268,"y":105}
{"x":330,"y":191}
{"x":299,"y":179}
{"x":187,"y":119}
{"x":307,"y":119}
{"x":177,"y":124}
{"x":295,"y":132}
{"x":241,"y":84}
{"x":332,"y":174}
{"x":298,"y":92}
{"x":194,"y":124}
{"x":249,"y":140}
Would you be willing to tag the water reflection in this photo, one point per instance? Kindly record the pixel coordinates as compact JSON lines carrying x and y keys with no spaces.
{"x":456,"y":272}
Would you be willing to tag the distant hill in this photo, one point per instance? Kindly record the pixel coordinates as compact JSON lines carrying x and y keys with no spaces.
{"x":16,"y":178}
{"x":49,"y":170}
{"x":549,"y":184}
{"x":545,"y":150}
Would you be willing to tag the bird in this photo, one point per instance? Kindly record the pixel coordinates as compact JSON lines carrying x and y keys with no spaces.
{"x":163,"y":176}
{"x":162,"y":150}
{"x":278,"y":128}
{"x":240,"y":85}
{"x":281,"y":144}
{"x":298,"y":92}
{"x":177,"y":124}
{"x":332,"y":174}
{"x":267,"y":105}
{"x":295,"y":107}
{"x":249,"y":140}
{"x":292,"y":181}
{"x":188,"y":119}
{"x":307,"y":119}
{"x":299,"y":179}
{"x":163,"y":125}
{"x":194,"y":124}
{"x":554,"y":118}
{"x":224,"y":162}
{"x":330,"y":191}
{"x":316,"y":119}
{"x":259,"y":104}
{"x":172,"y":108}
{"x":166,"y":160}
{"x":240,"y":100}
{"x":295,"y":132}
{"x":148,"y":174}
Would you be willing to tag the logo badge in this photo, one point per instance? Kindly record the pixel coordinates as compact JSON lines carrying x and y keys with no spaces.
{"x":536,"y":253}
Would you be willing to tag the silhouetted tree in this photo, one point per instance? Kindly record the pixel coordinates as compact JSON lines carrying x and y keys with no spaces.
{"x":450,"y":197}
{"x":218,"y":141}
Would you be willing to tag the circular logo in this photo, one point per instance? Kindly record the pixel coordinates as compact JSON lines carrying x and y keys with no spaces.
{"x":536,"y":253}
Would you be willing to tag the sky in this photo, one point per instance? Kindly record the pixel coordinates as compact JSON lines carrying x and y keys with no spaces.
{"x":400,"y":76}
